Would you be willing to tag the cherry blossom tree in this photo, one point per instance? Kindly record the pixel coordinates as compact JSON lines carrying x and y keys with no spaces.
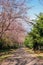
{"x":11,"y":11}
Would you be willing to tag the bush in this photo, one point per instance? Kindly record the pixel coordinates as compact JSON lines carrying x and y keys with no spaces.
{"x":1,"y":43}
{"x":28,"y":42}
{"x":7,"y":44}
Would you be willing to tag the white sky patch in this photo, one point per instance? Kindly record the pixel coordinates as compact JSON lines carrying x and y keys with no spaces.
{"x":25,"y":25}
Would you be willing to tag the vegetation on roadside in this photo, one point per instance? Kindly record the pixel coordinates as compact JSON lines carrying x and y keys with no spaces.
{"x":6,"y":53}
{"x":35,"y":37}
{"x":7,"y":44}
{"x":40,"y":57}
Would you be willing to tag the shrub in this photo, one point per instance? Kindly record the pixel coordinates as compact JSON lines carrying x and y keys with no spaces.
{"x":7,"y":44}
{"x":28,"y":42}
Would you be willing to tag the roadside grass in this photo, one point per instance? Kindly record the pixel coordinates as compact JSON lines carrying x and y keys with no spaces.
{"x":6,"y":53}
{"x":40,"y":57}
{"x":4,"y":57}
{"x":38,"y":54}
{"x":29,"y":50}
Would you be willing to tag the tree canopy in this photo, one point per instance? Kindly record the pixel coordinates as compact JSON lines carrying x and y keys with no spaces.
{"x":36,"y":34}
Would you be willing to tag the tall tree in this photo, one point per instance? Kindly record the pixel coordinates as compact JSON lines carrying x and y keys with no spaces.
{"x":37,"y":31}
{"x":35,"y":37}
{"x":11,"y":11}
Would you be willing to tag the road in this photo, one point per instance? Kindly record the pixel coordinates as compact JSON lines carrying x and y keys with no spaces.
{"x":21,"y":57}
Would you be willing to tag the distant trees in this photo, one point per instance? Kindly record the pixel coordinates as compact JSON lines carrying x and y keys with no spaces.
{"x":35,"y":37}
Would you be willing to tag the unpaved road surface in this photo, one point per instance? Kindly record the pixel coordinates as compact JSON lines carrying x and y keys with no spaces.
{"x":21,"y":57}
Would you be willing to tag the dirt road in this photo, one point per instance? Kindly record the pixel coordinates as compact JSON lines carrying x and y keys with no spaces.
{"x":21,"y":57}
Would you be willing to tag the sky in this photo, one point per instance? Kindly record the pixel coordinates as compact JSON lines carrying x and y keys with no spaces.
{"x":37,"y":7}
